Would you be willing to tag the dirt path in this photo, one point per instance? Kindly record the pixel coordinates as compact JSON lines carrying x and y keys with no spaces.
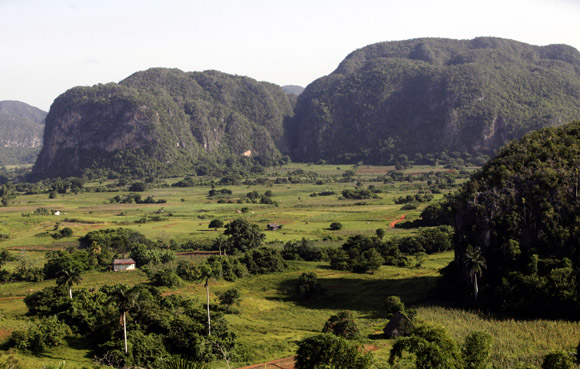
{"x":398,"y":220}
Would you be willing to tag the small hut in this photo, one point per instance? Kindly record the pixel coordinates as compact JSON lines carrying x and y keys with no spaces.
{"x":123,"y":264}
{"x":399,"y":325}
{"x":272,"y":227}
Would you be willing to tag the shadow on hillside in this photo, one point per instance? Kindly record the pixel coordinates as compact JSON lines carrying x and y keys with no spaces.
{"x":363,"y":295}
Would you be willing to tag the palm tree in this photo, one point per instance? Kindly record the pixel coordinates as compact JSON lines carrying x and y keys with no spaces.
{"x":125,"y":299}
{"x":68,"y":278}
{"x":474,"y":264}
{"x":206,"y":272}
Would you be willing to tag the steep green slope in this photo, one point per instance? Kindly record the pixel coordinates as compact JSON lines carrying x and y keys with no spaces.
{"x":429,"y":95}
{"x":523,"y":211}
{"x":21,"y":127}
{"x":164,"y":122}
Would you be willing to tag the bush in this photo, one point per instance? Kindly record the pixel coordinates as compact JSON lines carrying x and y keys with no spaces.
{"x":329,"y":351}
{"x":342,"y":325}
{"x":477,"y":350}
{"x":50,"y":332}
{"x":302,"y":250}
{"x":393,"y":304}
{"x":557,"y":360}
{"x":216,"y":223}
{"x":335,"y":226}
{"x":229,"y":297}
{"x":308,"y":285}
{"x":263,"y":261}
{"x":166,"y":278}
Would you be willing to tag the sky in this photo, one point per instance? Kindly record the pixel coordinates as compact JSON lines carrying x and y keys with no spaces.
{"x":50,"y":46}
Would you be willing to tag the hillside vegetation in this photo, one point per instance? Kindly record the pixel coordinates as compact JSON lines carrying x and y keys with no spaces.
{"x":21,"y":128}
{"x":416,"y":99}
{"x":521,"y":210}
{"x":164,"y":122}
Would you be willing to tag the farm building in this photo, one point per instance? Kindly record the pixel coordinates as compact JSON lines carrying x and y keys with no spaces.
{"x":399,"y":325}
{"x":272,"y":227}
{"x":123,"y":264}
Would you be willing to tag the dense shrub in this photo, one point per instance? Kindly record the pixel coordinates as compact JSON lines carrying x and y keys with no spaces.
{"x":263,"y":260}
{"x":49,"y":332}
{"x":342,"y":324}
{"x":302,"y":250}
{"x":335,"y":226}
{"x":308,"y":285}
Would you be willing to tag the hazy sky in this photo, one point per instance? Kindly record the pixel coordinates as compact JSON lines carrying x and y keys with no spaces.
{"x":49,"y":46}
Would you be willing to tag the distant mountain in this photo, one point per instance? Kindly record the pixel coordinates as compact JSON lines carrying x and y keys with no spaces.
{"x":21,"y":128}
{"x":434,"y":97}
{"x":164,"y":122}
{"x":293,"y":90}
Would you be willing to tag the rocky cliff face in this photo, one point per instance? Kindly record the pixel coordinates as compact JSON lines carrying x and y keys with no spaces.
{"x":21,"y":125}
{"x":427,"y":96}
{"x":163,"y":122}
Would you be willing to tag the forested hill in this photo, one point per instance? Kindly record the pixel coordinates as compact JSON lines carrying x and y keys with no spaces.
{"x":164,"y":122}
{"x":521,"y":210}
{"x":21,"y":127}
{"x":425,"y":96}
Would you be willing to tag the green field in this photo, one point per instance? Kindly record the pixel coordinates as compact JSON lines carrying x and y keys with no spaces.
{"x":270,"y":320}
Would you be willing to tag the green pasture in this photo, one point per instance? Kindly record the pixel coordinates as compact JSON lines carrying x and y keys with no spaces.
{"x":270,"y":320}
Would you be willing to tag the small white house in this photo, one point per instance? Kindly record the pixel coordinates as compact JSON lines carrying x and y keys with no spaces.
{"x":123,"y":264}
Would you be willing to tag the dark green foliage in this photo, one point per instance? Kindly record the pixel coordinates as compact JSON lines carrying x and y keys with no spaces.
{"x":521,"y":211}
{"x":263,"y":261}
{"x":331,"y":352}
{"x":164,"y":122}
{"x":185,"y":182}
{"x":389,"y":101}
{"x":342,"y":325}
{"x":49,"y":332}
{"x":558,"y":360}
{"x":357,"y":194}
{"x":120,"y":241}
{"x":216,"y":223}
{"x":477,"y":350}
{"x":432,"y":346}
{"x":63,"y":233}
{"x":308,"y":286}
{"x":243,"y":236}
{"x":393,"y":305}
{"x":302,"y":250}
{"x":166,"y":278}
{"x":229,"y":297}
{"x":335,"y":226}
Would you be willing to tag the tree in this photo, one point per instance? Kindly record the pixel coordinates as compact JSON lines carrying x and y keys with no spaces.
{"x":474,"y":264}
{"x":331,"y":352}
{"x":206,"y":273}
{"x":243,"y":235}
{"x":342,"y":324}
{"x":380,"y":232}
{"x":432,"y":346}
{"x":68,"y":277}
{"x":308,"y":285}
{"x":477,"y":350}
{"x":215,"y":224}
{"x":124,"y":298}
{"x":557,"y":360}
{"x":335,"y":226}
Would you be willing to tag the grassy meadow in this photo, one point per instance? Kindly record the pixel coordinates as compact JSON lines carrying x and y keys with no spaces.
{"x":270,"y":321}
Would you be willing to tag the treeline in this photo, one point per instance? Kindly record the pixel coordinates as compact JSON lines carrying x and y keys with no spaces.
{"x":364,"y":254}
